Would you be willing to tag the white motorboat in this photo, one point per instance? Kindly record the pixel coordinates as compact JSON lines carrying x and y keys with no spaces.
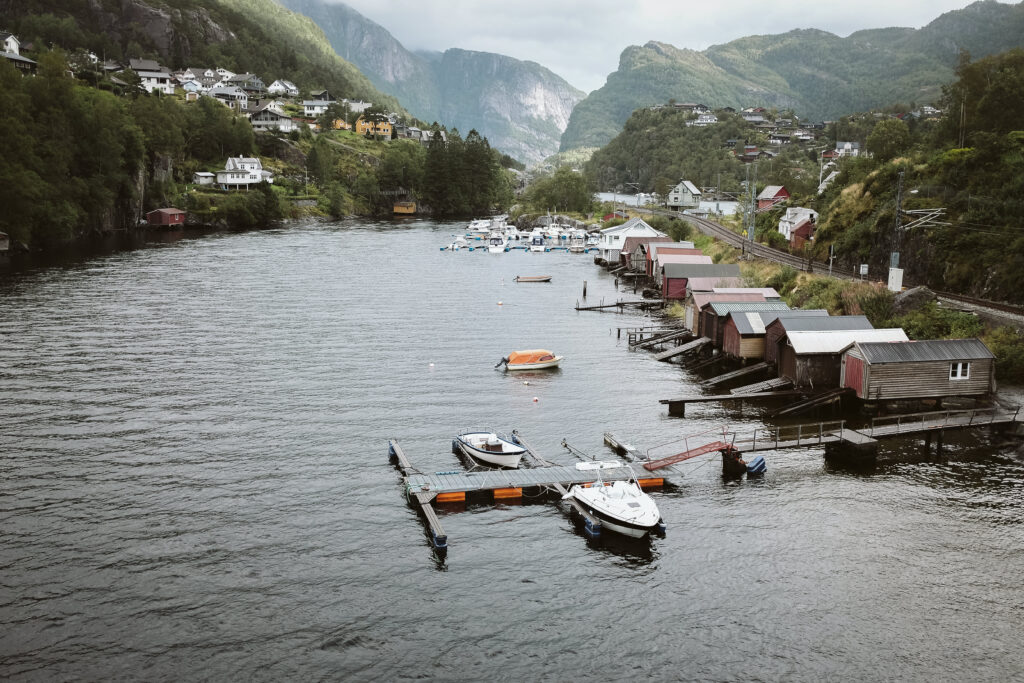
{"x":532,"y":359}
{"x":621,"y":506}
{"x":593,"y":240}
{"x":496,"y":243}
{"x":578,"y":242}
{"x":537,"y":242}
{"x":489,"y":447}
{"x":459,"y":243}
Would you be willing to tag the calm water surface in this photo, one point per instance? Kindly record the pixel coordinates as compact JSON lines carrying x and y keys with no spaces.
{"x":196,"y":486}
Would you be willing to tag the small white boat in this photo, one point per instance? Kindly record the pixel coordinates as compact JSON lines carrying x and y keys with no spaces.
{"x":459,"y":243}
{"x":537,"y":242}
{"x":489,"y":447}
{"x":621,"y":506}
{"x":496,"y":243}
{"x":593,"y":240}
{"x":532,"y":359}
{"x":578,"y":242}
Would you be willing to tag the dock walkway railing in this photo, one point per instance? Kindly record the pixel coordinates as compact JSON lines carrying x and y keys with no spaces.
{"x":791,"y":435}
{"x":918,"y":422}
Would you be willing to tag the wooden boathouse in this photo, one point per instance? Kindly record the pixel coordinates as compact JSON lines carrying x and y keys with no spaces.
{"x":633,"y":255}
{"x":776,"y":331}
{"x":675,"y":277}
{"x":696,"y":300}
{"x":935,"y":368}
{"x":714,"y":313}
{"x":649,"y":251}
{"x":814,"y":359}
{"x":744,"y":331}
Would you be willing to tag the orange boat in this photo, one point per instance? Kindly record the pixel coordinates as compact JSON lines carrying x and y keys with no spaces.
{"x":532,"y":359}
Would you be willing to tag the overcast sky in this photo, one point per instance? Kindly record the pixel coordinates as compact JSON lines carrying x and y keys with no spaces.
{"x":581,"y":40}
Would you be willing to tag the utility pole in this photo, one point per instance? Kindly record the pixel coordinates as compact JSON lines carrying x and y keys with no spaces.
{"x":895,"y":272}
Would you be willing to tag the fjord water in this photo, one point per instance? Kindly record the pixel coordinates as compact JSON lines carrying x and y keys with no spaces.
{"x":196,"y":486}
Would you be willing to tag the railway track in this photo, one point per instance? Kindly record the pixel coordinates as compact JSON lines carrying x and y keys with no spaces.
{"x":739,"y":241}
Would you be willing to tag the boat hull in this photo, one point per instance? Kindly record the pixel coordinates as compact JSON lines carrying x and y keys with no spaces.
{"x":615,"y":515}
{"x":471,"y":444}
{"x":535,"y":366}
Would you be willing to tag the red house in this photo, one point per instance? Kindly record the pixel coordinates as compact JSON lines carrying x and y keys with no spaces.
{"x":166,"y":217}
{"x":770,"y":196}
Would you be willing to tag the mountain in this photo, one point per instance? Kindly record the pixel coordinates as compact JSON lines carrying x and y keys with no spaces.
{"x":519,"y":106}
{"x":817,"y":74}
{"x":259,"y":36}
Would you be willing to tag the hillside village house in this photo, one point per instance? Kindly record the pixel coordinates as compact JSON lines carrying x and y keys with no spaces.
{"x":208,"y":78}
{"x":797,"y":225}
{"x":770,"y":196}
{"x":204,"y":178}
{"x":704,"y":120}
{"x":281,"y":87}
{"x":250,"y":83}
{"x":231,"y":95}
{"x":613,"y":239}
{"x":365,"y":126}
{"x":269,"y":116}
{"x":314,"y":108}
{"x":683,"y":195}
{"x":12,"y":53}
{"x":153,"y":77}
{"x":240,"y":173}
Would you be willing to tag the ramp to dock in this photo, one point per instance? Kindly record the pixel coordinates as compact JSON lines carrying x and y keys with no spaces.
{"x":685,"y":455}
{"x":818,"y":400}
{"x":729,"y":376}
{"x":662,"y":338}
{"x":774,"y":384}
{"x":680,"y":350}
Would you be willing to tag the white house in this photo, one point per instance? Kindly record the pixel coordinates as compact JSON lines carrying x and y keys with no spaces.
{"x":848,"y":149}
{"x":683,"y":195}
{"x":612,"y":239}
{"x":270,"y":117}
{"x":795,"y":217}
{"x":192,"y":86}
{"x":10,"y":42}
{"x":312,"y":108}
{"x":224,"y":74}
{"x":280,"y":87}
{"x":704,"y":120}
{"x":231,"y":95}
{"x":154,"y":78}
{"x":241,"y":173}
{"x":207,"y":77}
{"x":357,"y":106}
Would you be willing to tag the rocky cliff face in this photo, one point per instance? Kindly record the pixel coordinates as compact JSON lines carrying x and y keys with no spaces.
{"x":158,"y":25}
{"x":520,"y":107}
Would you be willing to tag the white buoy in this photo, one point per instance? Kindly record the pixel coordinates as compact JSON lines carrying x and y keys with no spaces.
{"x":499,"y":303}
{"x":431,"y":365}
{"x":526,"y":383}
{"x":534,"y":399}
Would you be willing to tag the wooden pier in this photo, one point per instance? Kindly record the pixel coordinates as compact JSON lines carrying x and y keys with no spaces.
{"x":662,"y":338}
{"x":773,"y":384}
{"x":688,"y":347}
{"x":453,"y":486}
{"x":641,"y":304}
{"x":677,"y":406}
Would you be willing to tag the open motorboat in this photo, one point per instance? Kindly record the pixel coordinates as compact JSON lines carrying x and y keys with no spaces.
{"x":489,"y":447}
{"x":532,"y":278}
{"x":532,"y":359}
{"x":593,"y":240}
{"x":459,"y":243}
{"x":621,"y":506}
{"x":496,"y":243}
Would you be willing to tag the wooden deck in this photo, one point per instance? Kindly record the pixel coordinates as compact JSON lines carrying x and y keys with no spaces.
{"x":773,"y":384}
{"x":742,"y":372}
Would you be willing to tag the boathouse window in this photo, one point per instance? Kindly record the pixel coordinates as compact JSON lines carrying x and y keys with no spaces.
{"x":959,"y":370}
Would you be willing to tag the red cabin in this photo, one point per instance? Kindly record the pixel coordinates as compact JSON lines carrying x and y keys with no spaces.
{"x":166,"y":217}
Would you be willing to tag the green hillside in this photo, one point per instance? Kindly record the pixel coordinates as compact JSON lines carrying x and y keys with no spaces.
{"x":819,"y":75}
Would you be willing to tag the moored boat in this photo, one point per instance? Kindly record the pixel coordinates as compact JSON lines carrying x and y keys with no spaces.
{"x":531,"y":359}
{"x":532,"y":278}
{"x":496,"y":243}
{"x":620,"y":506}
{"x":489,"y":447}
{"x":537,"y":242}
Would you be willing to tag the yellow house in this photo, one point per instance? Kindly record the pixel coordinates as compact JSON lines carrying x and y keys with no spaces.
{"x":341,"y":124}
{"x":405,"y":207}
{"x":382,"y":128}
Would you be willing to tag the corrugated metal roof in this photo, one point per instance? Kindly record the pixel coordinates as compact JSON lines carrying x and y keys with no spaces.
{"x":747,"y":322}
{"x":682,"y":258}
{"x":834,"y":341}
{"x":706,"y":284}
{"x":925,"y":350}
{"x":771,"y":316}
{"x":766,"y":292}
{"x":653,"y":247}
{"x":822,"y":323}
{"x":701,"y":298}
{"x":727,"y":307}
{"x":677,"y":270}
